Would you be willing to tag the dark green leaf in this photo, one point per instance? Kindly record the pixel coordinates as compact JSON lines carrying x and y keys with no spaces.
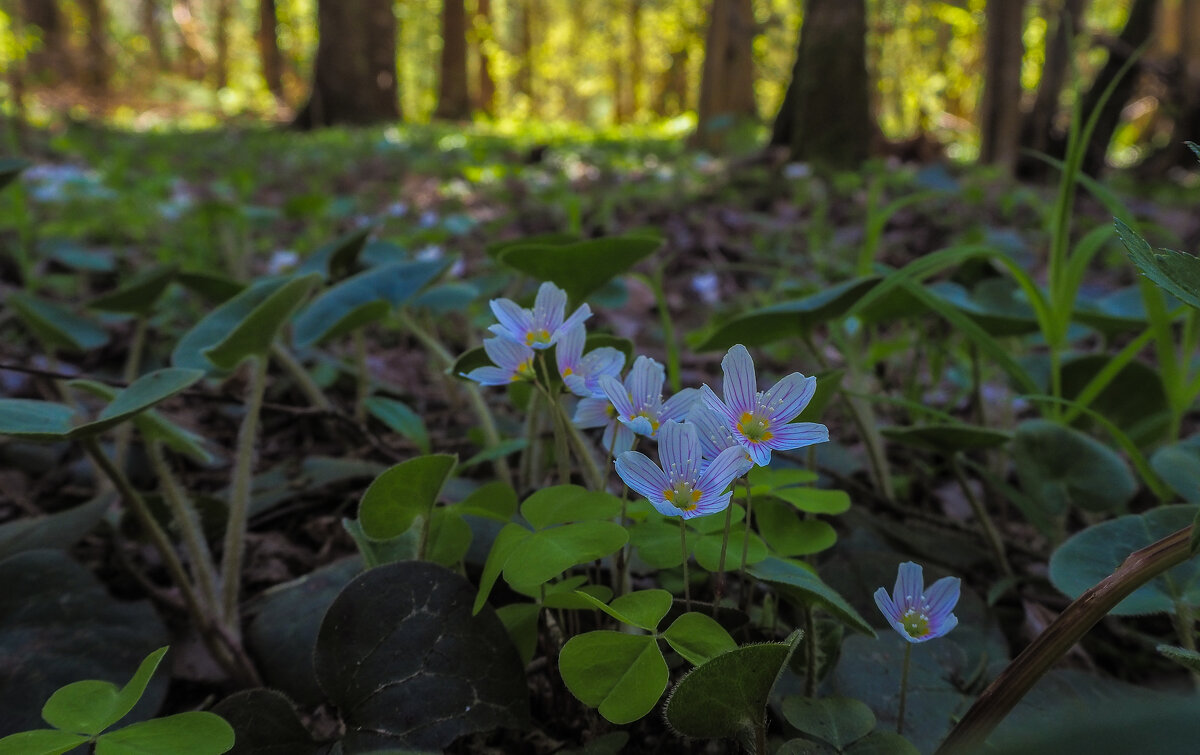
{"x":140,"y":294}
{"x":622,"y":675}
{"x":265,"y":723}
{"x":402,"y":493}
{"x":800,"y":584}
{"x":400,"y":419}
{"x":40,"y":742}
{"x":407,"y":665}
{"x":10,"y":168}
{"x":1176,"y":273}
{"x":59,"y":530}
{"x":544,"y":555}
{"x":1060,"y":467}
{"x":568,"y":503}
{"x":948,"y":439}
{"x":139,"y":396}
{"x":836,"y":720}
{"x":582,"y":267}
{"x":191,"y":733}
{"x":55,"y":326}
{"x":217,"y":324}
{"x":698,"y":638}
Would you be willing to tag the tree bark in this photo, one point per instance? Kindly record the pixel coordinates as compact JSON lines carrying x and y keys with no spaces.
{"x":999,"y":114}
{"x":454,"y":101}
{"x":221,"y":43}
{"x":152,"y":28}
{"x":485,"y":98}
{"x":1138,"y":28}
{"x":52,"y":59}
{"x":354,"y":74}
{"x":1037,"y":128}
{"x":96,"y":73}
{"x":727,"y":76}
{"x":825,"y":118}
{"x":268,"y":47}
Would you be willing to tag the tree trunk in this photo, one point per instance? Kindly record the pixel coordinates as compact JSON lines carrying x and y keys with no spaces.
{"x":268,"y":47}
{"x":1037,"y":128}
{"x":221,"y":69}
{"x":454,"y":101}
{"x":52,"y":59}
{"x":95,"y":74}
{"x":152,"y":28}
{"x":825,"y":118}
{"x":636,"y":54}
{"x":999,"y":114}
{"x":727,"y":77}
{"x":1137,"y":31}
{"x":524,"y":79}
{"x":193,"y":48}
{"x":354,"y":74}
{"x":672,"y":98}
{"x":485,"y":99}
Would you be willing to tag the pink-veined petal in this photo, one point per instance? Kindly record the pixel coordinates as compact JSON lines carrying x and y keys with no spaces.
{"x":549,"y":306}
{"x":941,"y":627}
{"x":759,"y":452}
{"x":787,"y":398}
{"x":515,"y":322}
{"x":645,"y":383}
{"x":941,"y":597}
{"x":577,"y":318}
{"x":714,"y":436}
{"x":592,"y":412}
{"x":569,"y":349}
{"x":643,"y":476}
{"x":679,"y":451}
{"x":718,"y":407}
{"x":797,"y":435}
{"x":890,"y":610}
{"x":618,"y":395}
{"x":678,"y":406}
{"x":909,"y":585}
{"x":741,"y":386}
{"x":709,"y":504}
{"x":489,"y":376}
{"x":602,"y":361}
{"x":507,"y":354}
{"x":618,"y":438}
{"x":729,"y":465}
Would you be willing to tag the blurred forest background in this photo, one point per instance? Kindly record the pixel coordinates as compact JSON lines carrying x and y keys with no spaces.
{"x":834,"y":80}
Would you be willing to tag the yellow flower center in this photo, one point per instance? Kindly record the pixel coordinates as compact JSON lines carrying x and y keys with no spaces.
{"x":524,"y":371}
{"x":915,"y":623}
{"x":567,"y":371}
{"x":754,"y":427}
{"x":537,"y":336}
{"x":683,"y":496}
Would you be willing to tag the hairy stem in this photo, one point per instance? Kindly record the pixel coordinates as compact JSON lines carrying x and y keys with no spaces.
{"x":239,"y":502}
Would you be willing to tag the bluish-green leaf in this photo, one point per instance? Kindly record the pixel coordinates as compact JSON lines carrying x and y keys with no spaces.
{"x":56,"y":326}
{"x":1175,"y":272}
{"x":802,"y":585}
{"x":1060,"y":467}
{"x":140,"y":294}
{"x":836,"y":720}
{"x":139,"y":396}
{"x":582,"y":267}
{"x":254,"y":333}
{"x":622,"y":675}
{"x":31,"y":419}
{"x":400,"y":419}
{"x":217,"y":324}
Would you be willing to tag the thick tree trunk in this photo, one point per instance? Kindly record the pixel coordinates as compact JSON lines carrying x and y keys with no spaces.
{"x":636,"y":54}
{"x":485,"y":98}
{"x":672,"y":96}
{"x":354,"y":74}
{"x":1037,"y":128}
{"x":825,"y":118}
{"x":268,"y":47}
{"x":727,"y":77}
{"x":52,"y":59}
{"x":999,"y":114}
{"x":1137,"y":31}
{"x":524,"y":78}
{"x":221,"y":43}
{"x":96,"y":72}
{"x":454,"y":101}
{"x":152,"y":27}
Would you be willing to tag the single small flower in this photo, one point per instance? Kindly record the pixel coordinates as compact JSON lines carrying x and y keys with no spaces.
{"x":639,"y":402}
{"x":916,"y":613}
{"x":599,"y":412}
{"x":679,"y":487}
{"x":541,"y":327}
{"x":513,"y":362}
{"x":759,"y":419}
{"x":581,"y":372}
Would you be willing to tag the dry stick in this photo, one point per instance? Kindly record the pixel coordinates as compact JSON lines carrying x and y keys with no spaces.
{"x":1056,"y":640}
{"x":239,"y":500}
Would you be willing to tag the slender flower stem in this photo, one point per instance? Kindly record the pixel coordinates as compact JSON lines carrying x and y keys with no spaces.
{"x":203,"y":566}
{"x":719,"y":588}
{"x":990,"y":533}
{"x":239,"y":502}
{"x":810,"y":652}
{"x":133,"y":364}
{"x":363,"y":378}
{"x":687,"y":589}
{"x":487,"y":423}
{"x":908,"y":646}
{"x":745,"y":601}
{"x":591,"y":472}
{"x":1018,"y":677}
{"x":304,"y":381}
{"x":1185,"y":628}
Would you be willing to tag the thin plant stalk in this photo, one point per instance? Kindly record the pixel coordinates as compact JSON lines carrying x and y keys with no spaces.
{"x":487,"y":423}
{"x":664,"y":317}
{"x":363,"y":376}
{"x":745,"y":601}
{"x":687,"y":589}
{"x":810,"y":652}
{"x":990,"y":708}
{"x":908,"y":646}
{"x":990,"y":533}
{"x":200,"y":557}
{"x":285,"y":359}
{"x":239,"y":501}
{"x":719,"y":587}
{"x":133,"y":364}
{"x":591,"y":473}
{"x":1185,"y":628}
